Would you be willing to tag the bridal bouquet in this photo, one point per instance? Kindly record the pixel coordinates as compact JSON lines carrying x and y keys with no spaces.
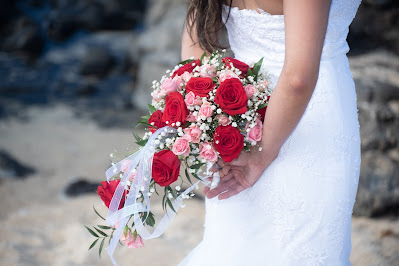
{"x":201,"y":110}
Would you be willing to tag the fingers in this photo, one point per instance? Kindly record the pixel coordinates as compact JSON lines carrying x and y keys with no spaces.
{"x":231,"y":192}
{"x":226,"y":185}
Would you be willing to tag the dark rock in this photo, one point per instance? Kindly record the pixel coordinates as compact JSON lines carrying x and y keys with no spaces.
{"x":22,"y":35}
{"x":67,"y":16}
{"x":97,"y":61}
{"x":80,"y":187}
{"x":378,"y":192}
{"x":10,"y":168}
{"x":376,"y":25}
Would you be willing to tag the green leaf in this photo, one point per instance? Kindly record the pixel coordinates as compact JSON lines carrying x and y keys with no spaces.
{"x":202,"y":57}
{"x":170,"y":204}
{"x":98,"y":213}
{"x":163,"y":202}
{"x":249,"y":73}
{"x":91,"y":231}
{"x":256,"y":68}
{"x":196,"y":176}
{"x":101,"y":247}
{"x":261,"y":106}
{"x":93,"y":244}
{"x":186,"y":62}
{"x":101,"y":232}
{"x":146,"y":117}
{"x":197,"y":166}
{"x":151,"y":108}
{"x":144,"y":122}
{"x":142,"y":142}
{"x":104,"y":227}
{"x":172,"y":192}
{"x":188,"y":176}
{"x":150,"y":221}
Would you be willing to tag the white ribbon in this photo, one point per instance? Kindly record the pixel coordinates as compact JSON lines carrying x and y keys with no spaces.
{"x":141,"y":162}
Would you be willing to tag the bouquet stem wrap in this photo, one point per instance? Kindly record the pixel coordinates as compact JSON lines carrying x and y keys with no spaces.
{"x":142,"y":162}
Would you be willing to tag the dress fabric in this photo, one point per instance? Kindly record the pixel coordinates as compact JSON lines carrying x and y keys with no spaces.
{"x":299,"y":211}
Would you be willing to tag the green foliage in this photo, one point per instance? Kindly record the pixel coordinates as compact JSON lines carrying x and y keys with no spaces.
{"x":185,"y":62}
{"x":256,"y":68}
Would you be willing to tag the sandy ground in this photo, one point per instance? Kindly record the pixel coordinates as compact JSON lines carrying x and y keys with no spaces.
{"x":39,"y":225}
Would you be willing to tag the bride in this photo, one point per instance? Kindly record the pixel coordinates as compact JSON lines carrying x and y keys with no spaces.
{"x":290,"y":202}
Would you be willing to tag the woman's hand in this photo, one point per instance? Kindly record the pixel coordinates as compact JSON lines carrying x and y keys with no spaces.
{"x":239,"y":174}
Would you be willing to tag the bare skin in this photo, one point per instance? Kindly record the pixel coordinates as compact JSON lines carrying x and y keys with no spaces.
{"x":305,"y":29}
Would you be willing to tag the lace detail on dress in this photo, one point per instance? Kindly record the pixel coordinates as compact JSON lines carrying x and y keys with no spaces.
{"x":256,"y":33}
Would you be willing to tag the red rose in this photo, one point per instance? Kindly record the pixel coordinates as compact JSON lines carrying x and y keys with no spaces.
{"x":262,"y":113}
{"x":186,"y":68}
{"x":231,"y":97}
{"x":165,"y":168}
{"x":228,"y":141}
{"x":175,"y":109}
{"x":200,"y":86}
{"x":237,"y":64}
{"x":156,"y":118}
{"x":107,"y":190}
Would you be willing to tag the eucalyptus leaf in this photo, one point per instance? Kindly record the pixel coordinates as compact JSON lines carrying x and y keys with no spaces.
{"x":101,"y":247}
{"x":170,"y":204}
{"x":101,"y":232}
{"x":98,"y":213}
{"x":93,"y":244}
{"x":91,"y":231}
{"x":104,"y":227}
{"x":197,"y":166}
{"x":188,"y":176}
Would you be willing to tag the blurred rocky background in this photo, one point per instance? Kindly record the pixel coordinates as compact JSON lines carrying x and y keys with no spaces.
{"x":74,"y":78}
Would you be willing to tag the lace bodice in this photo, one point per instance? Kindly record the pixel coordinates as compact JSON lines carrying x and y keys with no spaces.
{"x":254,"y":34}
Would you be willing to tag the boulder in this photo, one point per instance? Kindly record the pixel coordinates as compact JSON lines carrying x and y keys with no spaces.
{"x":377,"y":85}
{"x":22,"y":35}
{"x":97,"y":61}
{"x":11,"y":168}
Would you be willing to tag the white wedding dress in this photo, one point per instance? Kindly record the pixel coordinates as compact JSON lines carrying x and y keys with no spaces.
{"x":299,"y":211}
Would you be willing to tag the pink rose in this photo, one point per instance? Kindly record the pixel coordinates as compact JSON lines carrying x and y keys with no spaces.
{"x":264,"y":83}
{"x":227,"y":74}
{"x":198,"y":100}
{"x":182,"y":146}
{"x":186,"y":76}
{"x":208,"y":152}
{"x":207,"y":71}
{"x":191,"y":118}
{"x":194,"y":132}
{"x":168,"y":86}
{"x":128,"y":240}
{"x":205,"y":110}
{"x":190,"y":99}
{"x":178,"y":81}
{"x":250,"y":90}
{"x":223,"y":120}
{"x":255,"y":133}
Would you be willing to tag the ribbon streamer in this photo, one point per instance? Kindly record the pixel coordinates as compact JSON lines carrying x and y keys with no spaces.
{"x":141,"y":161}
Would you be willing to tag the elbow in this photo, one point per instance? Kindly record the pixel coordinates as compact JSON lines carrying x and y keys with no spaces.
{"x":301,"y":84}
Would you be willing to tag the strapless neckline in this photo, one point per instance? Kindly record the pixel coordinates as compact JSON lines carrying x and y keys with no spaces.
{"x":257,"y":11}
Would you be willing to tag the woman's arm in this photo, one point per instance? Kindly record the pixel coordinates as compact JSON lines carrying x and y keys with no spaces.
{"x":305,"y":29}
{"x":190,"y":46}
